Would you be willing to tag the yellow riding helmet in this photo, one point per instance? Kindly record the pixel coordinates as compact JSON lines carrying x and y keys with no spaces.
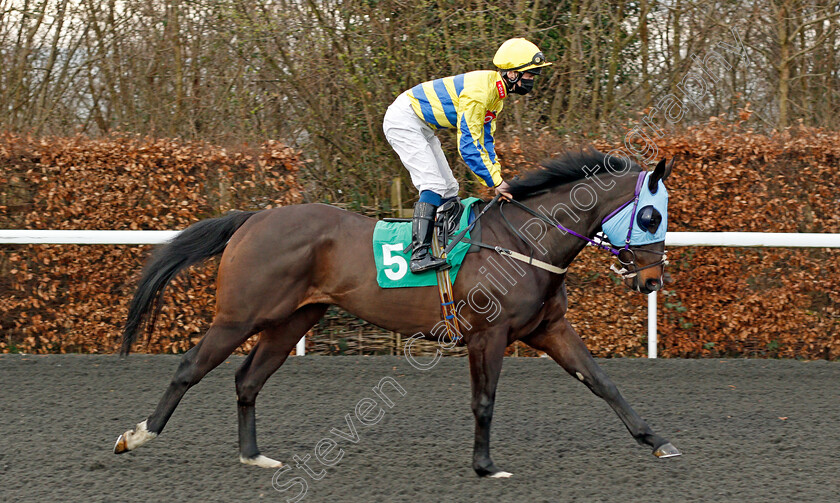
{"x":519,"y":55}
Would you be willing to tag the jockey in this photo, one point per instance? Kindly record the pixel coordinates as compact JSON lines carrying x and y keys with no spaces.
{"x":468,"y":103}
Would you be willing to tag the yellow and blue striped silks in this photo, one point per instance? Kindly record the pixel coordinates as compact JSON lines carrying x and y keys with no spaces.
{"x":469,"y":103}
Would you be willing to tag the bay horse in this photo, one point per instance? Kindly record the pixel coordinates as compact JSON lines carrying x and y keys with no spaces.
{"x":282,"y":268}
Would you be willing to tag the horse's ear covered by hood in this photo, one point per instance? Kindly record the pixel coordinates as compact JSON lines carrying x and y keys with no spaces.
{"x":661,"y":172}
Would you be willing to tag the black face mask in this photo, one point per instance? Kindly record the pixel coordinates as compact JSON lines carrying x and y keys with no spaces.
{"x":524,"y":87}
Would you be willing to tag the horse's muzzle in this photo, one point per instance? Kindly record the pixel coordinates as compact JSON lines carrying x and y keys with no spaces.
{"x":650,"y":285}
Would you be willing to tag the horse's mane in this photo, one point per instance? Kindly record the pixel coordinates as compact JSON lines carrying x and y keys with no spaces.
{"x":568,"y":167}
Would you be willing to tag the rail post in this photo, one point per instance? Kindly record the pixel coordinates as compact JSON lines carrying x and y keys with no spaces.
{"x":652,"y":336}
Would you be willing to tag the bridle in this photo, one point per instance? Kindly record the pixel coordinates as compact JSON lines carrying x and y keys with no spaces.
{"x":626,"y":273}
{"x":626,"y":256}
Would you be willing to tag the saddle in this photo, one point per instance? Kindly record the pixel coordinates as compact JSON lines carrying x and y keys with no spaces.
{"x":447,"y":220}
{"x":449,"y":215}
{"x":391,"y":268}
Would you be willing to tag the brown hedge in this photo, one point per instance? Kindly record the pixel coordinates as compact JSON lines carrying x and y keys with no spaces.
{"x":74,"y":298}
{"x":724,"y":301}
{"x":775,"y":302}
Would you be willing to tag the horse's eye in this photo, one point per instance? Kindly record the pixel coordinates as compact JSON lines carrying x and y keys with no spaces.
{"x":649,"y":219}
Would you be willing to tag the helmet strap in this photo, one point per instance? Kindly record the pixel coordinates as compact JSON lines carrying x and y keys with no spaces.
{"x":511,"y":82}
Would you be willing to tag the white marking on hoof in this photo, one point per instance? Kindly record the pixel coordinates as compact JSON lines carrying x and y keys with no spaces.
{"x":667,"y":451}
{"x":261,"y":461}
{"x":133,"y":439}
{"x":579,"y":376}
{"x":501,"y":475}
{"x":666,"y":456}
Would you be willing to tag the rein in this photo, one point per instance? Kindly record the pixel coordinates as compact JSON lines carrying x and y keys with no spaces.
{"x":625,"y":256}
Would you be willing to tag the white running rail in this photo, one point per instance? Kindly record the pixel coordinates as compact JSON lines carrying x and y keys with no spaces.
{"x":735,"y":239}
{"x":35,"y":237}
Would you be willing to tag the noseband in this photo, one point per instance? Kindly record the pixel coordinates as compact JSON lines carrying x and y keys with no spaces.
{"x":626,"y":263}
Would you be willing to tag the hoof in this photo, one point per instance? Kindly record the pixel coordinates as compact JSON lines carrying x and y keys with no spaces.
{"x":666,"y":450}
{"x":490,"y":470}
{"x":120,"y":447}
{"x":133,"y":439}
{"x":261,"y":461}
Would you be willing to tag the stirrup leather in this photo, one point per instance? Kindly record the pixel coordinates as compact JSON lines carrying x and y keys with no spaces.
{"x":447,"y":299}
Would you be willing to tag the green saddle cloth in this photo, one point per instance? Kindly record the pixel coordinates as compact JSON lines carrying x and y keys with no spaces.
{"x":391,"y":238}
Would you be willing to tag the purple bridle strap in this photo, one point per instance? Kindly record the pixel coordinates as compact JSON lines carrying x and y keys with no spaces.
{"x":598,"y":244}
{"x":590,"y":241}
{"x":638,"y":191}
{"x":564,"y":229}
{"x":615,"y":211}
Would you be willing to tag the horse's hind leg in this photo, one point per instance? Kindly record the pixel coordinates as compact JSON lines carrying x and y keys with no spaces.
{"x":216,"y":345}
{"x":271,"y":350}
{"x":563,"y":344}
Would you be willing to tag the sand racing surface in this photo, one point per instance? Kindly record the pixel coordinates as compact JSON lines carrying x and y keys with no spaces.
{"x":749,"y":430}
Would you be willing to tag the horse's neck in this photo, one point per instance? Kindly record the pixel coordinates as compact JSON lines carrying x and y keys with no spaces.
{"x":570,"y":206}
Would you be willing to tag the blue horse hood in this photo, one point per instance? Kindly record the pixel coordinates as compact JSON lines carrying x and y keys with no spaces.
{"x":616,"y":225}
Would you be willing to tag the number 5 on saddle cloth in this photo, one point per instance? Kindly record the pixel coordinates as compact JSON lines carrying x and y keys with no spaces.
{"x":392,"y":235}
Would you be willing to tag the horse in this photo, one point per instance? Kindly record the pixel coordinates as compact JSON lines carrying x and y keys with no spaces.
{"x":281,"y":268}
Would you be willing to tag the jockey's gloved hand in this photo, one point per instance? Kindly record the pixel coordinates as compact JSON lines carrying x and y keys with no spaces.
{"x":503,"y":189}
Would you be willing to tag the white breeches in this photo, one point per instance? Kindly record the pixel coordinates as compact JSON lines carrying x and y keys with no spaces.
{"x":419,"y":149}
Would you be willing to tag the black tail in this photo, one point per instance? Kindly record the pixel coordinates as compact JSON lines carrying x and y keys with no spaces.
{"x":196,"y":243}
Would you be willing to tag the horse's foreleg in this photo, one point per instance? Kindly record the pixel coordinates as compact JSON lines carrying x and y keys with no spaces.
{"x":564,"y":345}
{"x":266,"y":357}
{"x":216,"y":345}
{"x":485,"y":352}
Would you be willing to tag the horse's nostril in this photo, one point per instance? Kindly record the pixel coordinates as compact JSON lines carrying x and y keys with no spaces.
{"x":652,"y":284}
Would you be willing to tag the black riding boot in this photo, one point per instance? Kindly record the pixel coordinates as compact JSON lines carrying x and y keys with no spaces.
{"x":422,"y":228}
